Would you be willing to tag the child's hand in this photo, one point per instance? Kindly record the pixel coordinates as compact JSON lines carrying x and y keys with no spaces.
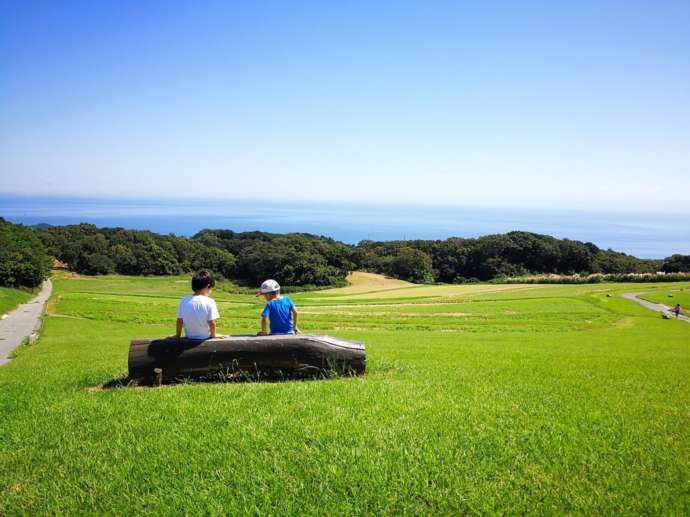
{"x":297,"y":331}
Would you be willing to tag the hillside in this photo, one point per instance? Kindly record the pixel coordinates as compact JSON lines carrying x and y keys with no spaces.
{"x":478,"y":399}
{"x":10,"y":298}
{"x":362,"y":282}
{"x":299,"y":259}
{"x":303,"y":260}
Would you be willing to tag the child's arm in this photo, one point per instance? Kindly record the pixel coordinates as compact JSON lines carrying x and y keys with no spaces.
{"x":178,"y":330}
{"x":212,"y":317}
{"x":295,"y":317}
{"x":264,"y":321}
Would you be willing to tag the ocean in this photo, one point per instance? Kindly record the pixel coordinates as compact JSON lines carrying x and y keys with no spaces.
{"x":645,"y":235}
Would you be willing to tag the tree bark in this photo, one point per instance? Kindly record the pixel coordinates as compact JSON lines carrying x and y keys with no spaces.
{"x":245,"y":357}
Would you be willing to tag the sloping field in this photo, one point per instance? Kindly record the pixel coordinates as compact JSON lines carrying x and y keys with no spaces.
{"x":478,"y":399}
{"x":438,"y":291}
{"x":374,"y":286}
{"x":10,"y":298}
{"x":362,"y":282}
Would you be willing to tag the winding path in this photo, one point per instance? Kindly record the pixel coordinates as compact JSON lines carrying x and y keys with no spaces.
{"x":22,"y":322}
{"x":658,"y":307}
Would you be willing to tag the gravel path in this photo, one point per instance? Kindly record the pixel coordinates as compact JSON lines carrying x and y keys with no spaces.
{"x":658,"y":307}
{"x":22,"y":322}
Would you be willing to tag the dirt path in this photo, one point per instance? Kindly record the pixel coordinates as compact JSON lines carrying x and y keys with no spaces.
{"x":658,"y":307}
{"x":22,"y":322}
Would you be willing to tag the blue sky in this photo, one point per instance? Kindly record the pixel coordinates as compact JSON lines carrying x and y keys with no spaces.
{"x":553,"y":104}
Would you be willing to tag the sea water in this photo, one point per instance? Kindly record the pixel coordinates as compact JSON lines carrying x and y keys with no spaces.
{"x":645,"y":235}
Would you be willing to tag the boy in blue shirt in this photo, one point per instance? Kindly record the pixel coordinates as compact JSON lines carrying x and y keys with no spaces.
{"x":279,"y":311}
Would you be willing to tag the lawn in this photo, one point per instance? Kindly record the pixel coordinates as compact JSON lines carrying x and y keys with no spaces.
{"x":670,"y":297}
{"x":10,"y":298}
{"x":478,"y":399}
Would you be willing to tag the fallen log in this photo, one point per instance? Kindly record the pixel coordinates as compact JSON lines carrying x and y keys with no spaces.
{"x":241,"y":357}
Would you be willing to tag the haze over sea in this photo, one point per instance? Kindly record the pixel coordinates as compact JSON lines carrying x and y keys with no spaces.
{"x":648,"y":235}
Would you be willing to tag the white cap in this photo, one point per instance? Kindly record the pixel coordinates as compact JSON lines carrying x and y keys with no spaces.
{"x":269,"y":286}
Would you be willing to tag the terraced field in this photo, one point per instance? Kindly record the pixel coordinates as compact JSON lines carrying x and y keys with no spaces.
{"x":478,"y":399}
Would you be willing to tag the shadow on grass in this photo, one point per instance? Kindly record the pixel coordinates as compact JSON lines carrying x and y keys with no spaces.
{"x":119,"y":382}
{"x":230,"y":377}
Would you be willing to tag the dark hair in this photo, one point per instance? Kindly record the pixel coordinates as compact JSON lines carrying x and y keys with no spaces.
{"x":201,"y":279}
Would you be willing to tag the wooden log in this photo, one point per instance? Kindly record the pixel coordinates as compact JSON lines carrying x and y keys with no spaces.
{"x":157,"y":376}
{"x":237,"y":357}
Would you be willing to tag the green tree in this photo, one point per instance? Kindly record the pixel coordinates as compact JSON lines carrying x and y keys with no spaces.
{"x":677,"y":264}
{"x":98,"y":264}
{"x":412,"y":265}
{"x":217,"y":260}
{"x":24,"y":261}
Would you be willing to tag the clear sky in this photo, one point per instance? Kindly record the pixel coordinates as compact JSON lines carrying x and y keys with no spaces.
{"x":554,"y":104}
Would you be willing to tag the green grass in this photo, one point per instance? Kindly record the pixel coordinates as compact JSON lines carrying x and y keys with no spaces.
{"x":670,"y":297}
{"x":10,"y":298}
{"x":551,"y":399}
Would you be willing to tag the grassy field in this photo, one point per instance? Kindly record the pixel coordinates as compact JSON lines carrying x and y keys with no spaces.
{"x":478,"y":399}
{"x":670,"y":297}
{"x":10,"y":298}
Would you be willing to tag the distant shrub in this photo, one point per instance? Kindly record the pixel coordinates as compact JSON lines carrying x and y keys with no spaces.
{"x":595,"y":278}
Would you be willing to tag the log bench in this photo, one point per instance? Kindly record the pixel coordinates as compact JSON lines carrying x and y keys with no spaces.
{"x":157,"y":361}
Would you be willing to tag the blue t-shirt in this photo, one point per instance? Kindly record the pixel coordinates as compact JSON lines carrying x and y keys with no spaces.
{"x":279,"y":313}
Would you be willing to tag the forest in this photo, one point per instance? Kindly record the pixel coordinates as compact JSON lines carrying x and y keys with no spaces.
{"x":300,"y":259}
{"x":24,"y":260}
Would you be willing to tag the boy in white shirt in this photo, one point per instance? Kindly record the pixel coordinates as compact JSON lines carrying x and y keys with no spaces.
{"x":198,"y":312}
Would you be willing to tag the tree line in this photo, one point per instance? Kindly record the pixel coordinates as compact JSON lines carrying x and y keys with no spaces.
{"x":24,"y":260}
{"x":458,"y":260}
{"x":299,"y":259}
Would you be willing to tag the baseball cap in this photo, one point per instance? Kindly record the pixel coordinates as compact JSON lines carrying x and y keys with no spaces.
{"x":269,"y":286}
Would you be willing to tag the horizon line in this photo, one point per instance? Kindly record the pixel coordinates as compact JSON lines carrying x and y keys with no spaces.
{"x":81,"y":197}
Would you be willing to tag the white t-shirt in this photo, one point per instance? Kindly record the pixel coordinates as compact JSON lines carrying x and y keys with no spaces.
{"x":197,"y":310}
